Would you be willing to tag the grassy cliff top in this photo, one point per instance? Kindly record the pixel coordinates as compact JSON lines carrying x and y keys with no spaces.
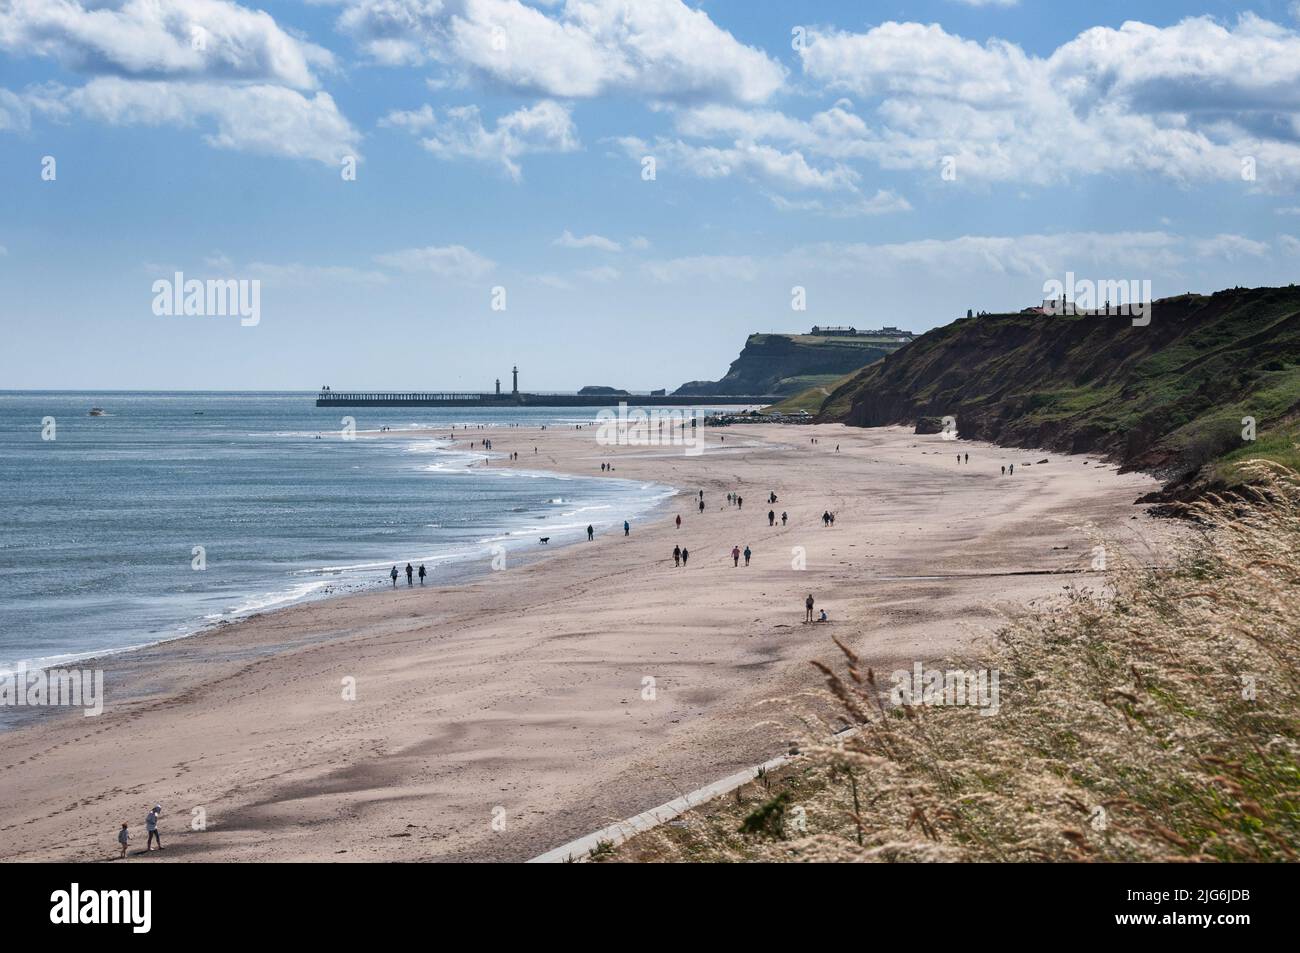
{"x":1175,"y":397}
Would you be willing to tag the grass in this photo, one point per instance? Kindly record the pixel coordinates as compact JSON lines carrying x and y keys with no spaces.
{"x":813,"y":395}
{"x":839,"y":341}
{"x":1280,"y":446}
{"x":1157,"y":719}
{"x":1168,"y":399}
{"x":816,"y":399}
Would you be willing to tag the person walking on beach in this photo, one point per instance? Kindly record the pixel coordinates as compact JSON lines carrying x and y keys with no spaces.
{"x":747,"y":554}
{"x":409,"y":573}
{"x":1004,"y":469}
{"x":826,"y":517}
{"x":627,"y":529}
{"x":679,"y":520}
{"x":832,"y":516}
{"x":393,"y":573}
{"x":422,"y":574}
{"x":784,"y":517}
{"x":591,"y":533}
{"x":123,"y":838}
{"x":701,"y":506}
{"x":677,"y":555}
{"x":686,"y":554}
{"x":959,"y":459}
{"x":1011,"y":471}
{"x":151,"y":825}
{"x":735,"y":555}
{"x":740,"y":502}
{"x":771,"y":517}
{"x":967,"y":460}
{"x":808,"y":608}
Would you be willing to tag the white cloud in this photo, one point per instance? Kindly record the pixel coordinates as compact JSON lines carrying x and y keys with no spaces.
{"x":267,"y":120}
{"x":1035,"y":256}
{"x":1028,"y":259}
{"x":774,"y":149}
{"x":1231,"y":247}
{"x":15,"y":112}
{"x":835,"y":132}
{"x":415,"y":120}
{"x":753,"y":161}
{"x":301,"y":275}
{"x":448,"y":261}
{"x":884,"y":202}
{"x":581,"y":48}
{"x":1187,"y":102}
{"x":554,"y":281}
{"x":703,"y":267}
{"x":544,"y":127}
{"x":211,"y":64}
{"x":569,"y":240}
{"x":603,"y":274}
{"x":149,"y":39}
{"x":1289,"y":244}
{"x":17,"y":109}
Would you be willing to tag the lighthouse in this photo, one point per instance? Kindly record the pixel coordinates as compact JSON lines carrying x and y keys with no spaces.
{"x":498,"y":387}
{"x":515,"y":371}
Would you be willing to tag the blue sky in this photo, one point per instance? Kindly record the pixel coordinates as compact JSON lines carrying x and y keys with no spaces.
{"x":500,"y":143}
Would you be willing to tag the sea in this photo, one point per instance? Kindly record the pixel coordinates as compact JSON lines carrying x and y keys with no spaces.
{"x":174,"y":512}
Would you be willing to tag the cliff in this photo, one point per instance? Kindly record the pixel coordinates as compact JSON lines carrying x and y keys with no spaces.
{"x":1169,"y":398}
{"x":783,"y":364}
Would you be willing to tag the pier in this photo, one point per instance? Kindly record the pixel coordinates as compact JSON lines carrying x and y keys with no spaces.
{"x":331,"y":398}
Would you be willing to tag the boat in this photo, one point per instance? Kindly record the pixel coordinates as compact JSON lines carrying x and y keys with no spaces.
{"x":97,"y":412}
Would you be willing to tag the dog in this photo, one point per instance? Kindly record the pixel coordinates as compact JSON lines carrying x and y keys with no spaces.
{"x":545,"y":539}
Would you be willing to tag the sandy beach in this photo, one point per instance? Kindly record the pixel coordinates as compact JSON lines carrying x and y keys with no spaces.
{"x":498,"y":719}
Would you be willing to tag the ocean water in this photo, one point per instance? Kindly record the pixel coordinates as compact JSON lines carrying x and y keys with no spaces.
{"x":100,"y":523}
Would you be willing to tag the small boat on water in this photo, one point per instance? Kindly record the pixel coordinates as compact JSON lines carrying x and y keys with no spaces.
{"x":97,"y":412}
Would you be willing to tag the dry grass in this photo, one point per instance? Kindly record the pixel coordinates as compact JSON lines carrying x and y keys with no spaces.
{"x":1126,"y":729}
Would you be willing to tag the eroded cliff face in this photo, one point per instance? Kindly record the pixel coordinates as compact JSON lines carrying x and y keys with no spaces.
{"x":779,"y":364}
{"x":1169,"y":397}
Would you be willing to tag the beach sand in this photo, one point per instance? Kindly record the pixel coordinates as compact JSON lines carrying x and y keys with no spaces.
{"x":501,"y":718}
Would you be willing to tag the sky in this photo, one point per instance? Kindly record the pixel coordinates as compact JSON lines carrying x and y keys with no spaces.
{"x":429,"y":192}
